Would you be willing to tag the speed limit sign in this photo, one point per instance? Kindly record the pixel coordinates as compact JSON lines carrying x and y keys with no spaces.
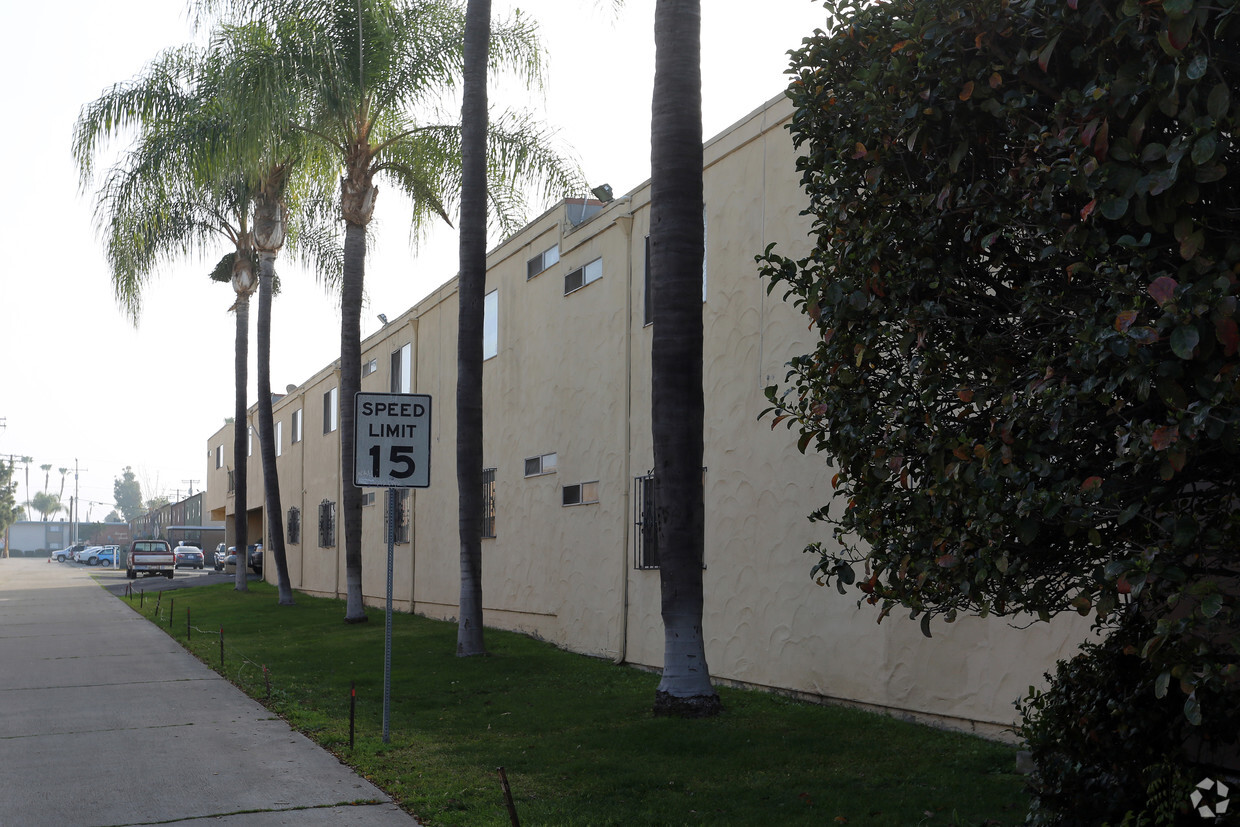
{"x":393,"y":440}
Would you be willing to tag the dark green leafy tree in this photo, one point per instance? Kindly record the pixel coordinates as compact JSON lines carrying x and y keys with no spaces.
{"x":1023,"y":290}
{"x":128,"y":495}
{"x":10,"y":511}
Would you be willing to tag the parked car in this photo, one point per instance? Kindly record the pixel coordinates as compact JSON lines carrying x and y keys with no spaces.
{"x":228,"y":564}
{"x":83,"y":554}
{"x":64,"y":555}
{"x":189,"y":556}
{"x":100,"y":556}
{"x":221,"y":552}
{"x":149,"y":557}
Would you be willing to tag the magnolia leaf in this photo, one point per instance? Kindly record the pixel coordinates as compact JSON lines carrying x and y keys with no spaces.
{"x":1044,"y":56}
{"x":1197,"y":66}
{"x":1184,"y":340}
{"x":1192,"y":710}
{"x":1162,"y":289}
{"x":1161,"y":684}
{"x":1228,"y":335}
{"x":966,"y":91}
{"x":1114,"y":207}
{"x":1219,"y":101}
{"x":1164,"y":437}
{"x":1124,"y":320}
{"x":1088,"y":208}
{"x":1212,"y":604}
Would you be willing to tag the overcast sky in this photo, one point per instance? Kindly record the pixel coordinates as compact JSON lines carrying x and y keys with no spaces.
{"x":82,"y":384}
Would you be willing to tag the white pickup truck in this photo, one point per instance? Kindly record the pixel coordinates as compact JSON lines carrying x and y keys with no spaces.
{"x":150,"y":557}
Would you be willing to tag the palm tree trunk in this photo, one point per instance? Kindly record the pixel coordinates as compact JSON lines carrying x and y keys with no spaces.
{"x":676,"y":254}
{"x":266,"y":430}
{"x":240,"y":437}
{"x":471,"y":296}
{"x":350,"y":384}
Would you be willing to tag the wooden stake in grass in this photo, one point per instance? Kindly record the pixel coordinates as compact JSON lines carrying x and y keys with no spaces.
{"x":187,"y":626}
{"x":352,"y":709}
{"x":221,"y":647}
{"x":172,"y":610}
{"x":512,"y":808}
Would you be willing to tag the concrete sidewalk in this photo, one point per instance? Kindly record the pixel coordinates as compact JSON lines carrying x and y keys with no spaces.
{"x":105,"y":720}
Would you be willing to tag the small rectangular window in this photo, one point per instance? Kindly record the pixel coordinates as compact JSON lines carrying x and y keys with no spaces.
{"x":368,"y":498}
{"x":537,"y":466}
{"x":542,"y":261}
{"x":279,"y":439}
{"x":330,"y":410}
{"x":488,"y":503}
{"x":646,"y":537}
{"x":296,"y":426}
{"x":249,"y":441}
{"x":490,"y":325}
{"x":581,"y":494}
{"x":579,"y":278}
{"x":370,"y":367}
{"x":402,"y":369}
{"x":219,"y":456}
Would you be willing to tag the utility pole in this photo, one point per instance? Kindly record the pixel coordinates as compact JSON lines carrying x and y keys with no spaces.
{"x":75,"y":515}
{"x":191,"y":486}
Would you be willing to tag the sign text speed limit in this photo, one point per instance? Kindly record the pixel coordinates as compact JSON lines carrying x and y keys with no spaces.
{"x":393,"y":445}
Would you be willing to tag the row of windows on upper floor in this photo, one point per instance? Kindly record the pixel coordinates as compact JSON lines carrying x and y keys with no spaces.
{"x":401,"y":372}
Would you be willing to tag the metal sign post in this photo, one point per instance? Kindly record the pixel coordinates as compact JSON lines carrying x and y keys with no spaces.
{"x":392,"y":450}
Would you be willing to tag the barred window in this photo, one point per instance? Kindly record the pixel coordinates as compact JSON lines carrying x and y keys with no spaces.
{"x":646,"y":537}
{"x":402,"y":515}
{"x":232,"y":481}
{"x":294,"y":525}
{"x":327,"y":524}
{"x":488,"y":503}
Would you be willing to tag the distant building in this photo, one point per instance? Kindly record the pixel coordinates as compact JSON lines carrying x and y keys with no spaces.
{"x":569,"y":554}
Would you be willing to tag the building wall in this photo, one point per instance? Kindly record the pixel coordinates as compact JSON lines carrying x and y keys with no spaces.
{"x":571,"y":376}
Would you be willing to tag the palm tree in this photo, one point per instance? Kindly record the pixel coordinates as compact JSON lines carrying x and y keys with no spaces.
{"x":676,"y":255}
{"x":46,"y":504}
{"x":26,"y":461}
{"x":47,"y":473}
{"x":471,"y":296}
{"x":365,"y":73}
{"x":172,"y":194}
{"x":275,"y":158}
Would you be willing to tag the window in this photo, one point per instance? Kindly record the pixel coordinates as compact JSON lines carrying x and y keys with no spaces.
{"x":249,"y":442}
{"x":402,"y":369}
{"x":279,"y":439}
{"x":294,"y":525}
{"x":368,"y":498}
{"x":219,"y":456}
{"x":296,"y":426}
{"x":327,"y":524}
{"x":646,"y":537}
{"x":490,"y":325}
{"x":582,"y":276}
{"x":537,"y":466}
{"x":370,"y":367}
{"x":232,"y":480}
{"x":648,"y":309}
{"x":581,"y":493}
{"x":330,"y":410}
{"x":402,"y":511}
{"x":488,"y":503}
{"x":542,"y":261}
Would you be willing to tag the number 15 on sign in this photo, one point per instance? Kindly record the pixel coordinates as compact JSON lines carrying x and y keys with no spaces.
{"x":393,"y":440}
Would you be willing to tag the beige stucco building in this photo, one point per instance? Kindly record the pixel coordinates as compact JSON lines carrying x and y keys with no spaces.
{"x":567,"y":432}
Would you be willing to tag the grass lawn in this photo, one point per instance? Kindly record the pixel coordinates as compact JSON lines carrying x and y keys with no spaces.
{"x":575,"y":734}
